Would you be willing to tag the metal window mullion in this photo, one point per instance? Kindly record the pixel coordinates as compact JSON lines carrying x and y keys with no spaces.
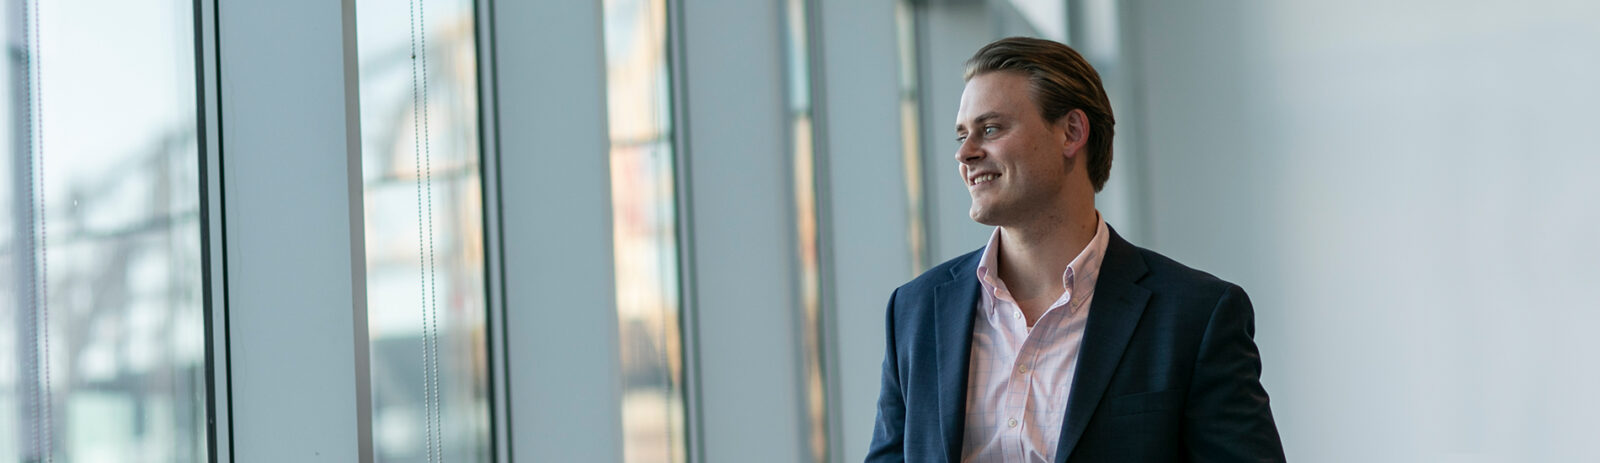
{"x":289,"y":158}
{"x":494,"y":236}
{"x":219,"y":432}
{"x":688,"y":292}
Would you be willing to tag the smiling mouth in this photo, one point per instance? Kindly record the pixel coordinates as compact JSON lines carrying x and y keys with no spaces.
{"x":985,"y":178}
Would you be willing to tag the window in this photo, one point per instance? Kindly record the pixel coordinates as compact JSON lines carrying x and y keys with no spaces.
{"x":102,"y":327}
{"x":809,"y":255}
{"x":424,"y":231}
{"x":645,"y":219}
{"x":905,"y":41}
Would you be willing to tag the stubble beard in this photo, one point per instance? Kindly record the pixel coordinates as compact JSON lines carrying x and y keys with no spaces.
{"x":991,"y":214}
{"x":1024,"y":210}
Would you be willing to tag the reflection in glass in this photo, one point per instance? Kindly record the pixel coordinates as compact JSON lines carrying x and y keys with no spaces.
{"x":797,"y":51}
{"x":102,"y":328}
{"x":644,"y":216}
{"x":906,"y":33}
{"x":424,"y":237}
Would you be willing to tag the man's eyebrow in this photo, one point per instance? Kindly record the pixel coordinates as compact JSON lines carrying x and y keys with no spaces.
{"x":981,"y":118}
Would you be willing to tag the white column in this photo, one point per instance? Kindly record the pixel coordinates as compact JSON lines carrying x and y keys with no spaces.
{"x":736,"y":175}
{"x":553,"y":188}
{"x":295,"y":267}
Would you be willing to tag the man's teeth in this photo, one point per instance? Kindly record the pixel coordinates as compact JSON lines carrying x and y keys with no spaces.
{"x":984,"y":178}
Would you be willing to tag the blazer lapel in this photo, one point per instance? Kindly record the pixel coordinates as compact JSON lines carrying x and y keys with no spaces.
{"x":955,"y":302}
{"x":1118,"y":303}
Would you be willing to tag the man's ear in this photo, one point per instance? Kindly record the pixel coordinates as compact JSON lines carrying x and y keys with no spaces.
{"x":1075,"y":130}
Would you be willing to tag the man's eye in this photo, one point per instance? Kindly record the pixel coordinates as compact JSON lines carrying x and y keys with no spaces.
{"x":961,"y":139}
{"x":990,"y":130}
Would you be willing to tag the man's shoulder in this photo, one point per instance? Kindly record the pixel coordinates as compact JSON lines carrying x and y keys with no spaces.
{"x":1166,"y":274}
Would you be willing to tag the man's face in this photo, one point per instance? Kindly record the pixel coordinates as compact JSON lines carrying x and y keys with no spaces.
{"x":1014,"y":163}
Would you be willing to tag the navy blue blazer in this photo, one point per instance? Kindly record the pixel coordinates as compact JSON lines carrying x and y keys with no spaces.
{"x":1168,"y":370}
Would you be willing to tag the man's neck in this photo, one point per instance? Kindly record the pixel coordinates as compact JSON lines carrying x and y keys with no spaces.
{"x":1034,"y":256}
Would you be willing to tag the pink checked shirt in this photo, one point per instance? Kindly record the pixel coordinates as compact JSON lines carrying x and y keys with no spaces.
{"x":1020,"y":377}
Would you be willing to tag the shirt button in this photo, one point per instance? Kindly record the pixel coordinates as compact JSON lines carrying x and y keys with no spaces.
{"x":1022,"y":369}
{"x":1018,"y":314}
{"x":1012,"y":423}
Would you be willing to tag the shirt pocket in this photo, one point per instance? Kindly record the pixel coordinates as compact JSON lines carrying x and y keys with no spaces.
{"x":1144,"y":402}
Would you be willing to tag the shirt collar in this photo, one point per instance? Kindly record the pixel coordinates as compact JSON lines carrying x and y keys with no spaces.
{"x":1079,"y":277}
{"x":1084,"y":271}
{"x":993,"y":288}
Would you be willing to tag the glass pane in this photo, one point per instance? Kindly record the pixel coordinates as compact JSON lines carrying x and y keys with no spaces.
{"x":905,"y":35}
{"x":424,"y":231}
{"x":102,"y":328}
{"x":797,"y":52}
{"x":645,"y":220}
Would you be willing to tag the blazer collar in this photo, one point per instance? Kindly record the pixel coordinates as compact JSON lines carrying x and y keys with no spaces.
{"x":955,"y":303}
{"x":1118,"y":303}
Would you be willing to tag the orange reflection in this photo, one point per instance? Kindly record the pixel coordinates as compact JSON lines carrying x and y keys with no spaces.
{"x":644,"y":217}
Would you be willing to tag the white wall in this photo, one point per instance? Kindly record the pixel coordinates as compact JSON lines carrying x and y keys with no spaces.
{"x":1406,"y":189}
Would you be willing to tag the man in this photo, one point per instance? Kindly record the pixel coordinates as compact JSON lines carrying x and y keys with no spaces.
{"x":1060,"y":341}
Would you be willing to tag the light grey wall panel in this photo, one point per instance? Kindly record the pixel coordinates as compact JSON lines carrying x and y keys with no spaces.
{"x":292,"y":166}
{"x":555,"y":197}
{"x":742,"y":217}
{"x":1406,"y":190}
{"x":868,"y":216}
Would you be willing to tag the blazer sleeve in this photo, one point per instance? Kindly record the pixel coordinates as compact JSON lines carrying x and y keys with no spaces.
{"x":1228,"y":417}
{"x":888,"y":435}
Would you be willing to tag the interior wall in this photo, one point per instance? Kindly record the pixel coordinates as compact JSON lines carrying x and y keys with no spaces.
{"x":1405,"y":191}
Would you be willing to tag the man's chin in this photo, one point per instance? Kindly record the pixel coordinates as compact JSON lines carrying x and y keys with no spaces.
{"x":983,"y":216}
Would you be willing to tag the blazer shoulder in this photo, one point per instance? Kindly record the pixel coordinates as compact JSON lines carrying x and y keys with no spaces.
{"x":939,"y":274}
{"x":1171,"y":275}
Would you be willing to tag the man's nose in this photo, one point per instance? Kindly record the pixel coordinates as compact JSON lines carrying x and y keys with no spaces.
{"x":968,"y":151}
